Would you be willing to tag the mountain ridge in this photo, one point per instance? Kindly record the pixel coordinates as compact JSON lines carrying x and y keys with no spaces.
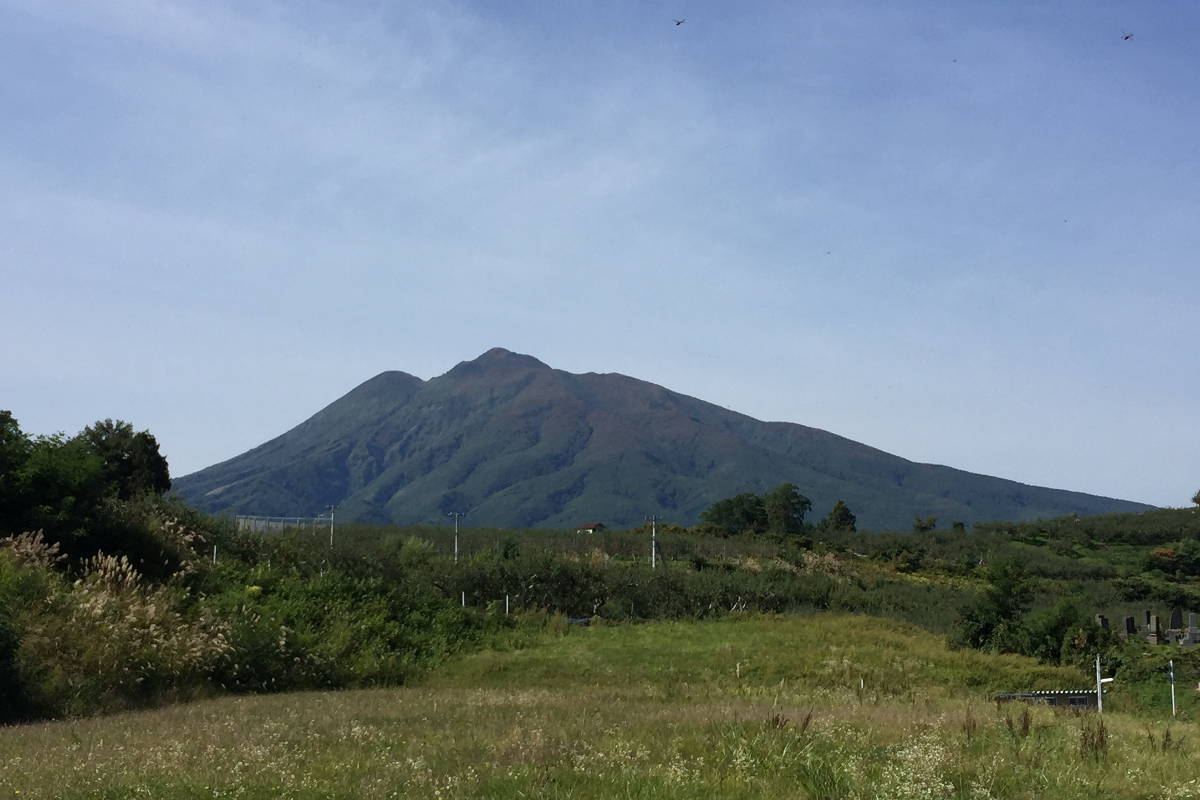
{"x":517,"y":443}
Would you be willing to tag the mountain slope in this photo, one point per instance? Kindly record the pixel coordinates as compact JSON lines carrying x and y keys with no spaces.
{"x":519,"y":444}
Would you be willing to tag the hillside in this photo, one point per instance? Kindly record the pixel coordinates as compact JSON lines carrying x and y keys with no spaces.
{"x":519,"y":444}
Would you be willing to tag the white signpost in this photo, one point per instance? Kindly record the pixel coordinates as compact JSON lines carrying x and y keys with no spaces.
{"x":1100,"y":686}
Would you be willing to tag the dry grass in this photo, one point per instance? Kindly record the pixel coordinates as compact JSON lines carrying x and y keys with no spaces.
{"x":648,"y":711}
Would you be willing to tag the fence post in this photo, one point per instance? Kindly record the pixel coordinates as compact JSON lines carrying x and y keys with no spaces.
{"x":1171,"y":666}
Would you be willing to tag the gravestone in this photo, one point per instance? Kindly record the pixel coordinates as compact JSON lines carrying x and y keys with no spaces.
{"x":1146,"y":618}
{"x":1177,"y":618}
{"x":1102,"y":621}
{"x":1130,"y":627}
{"x":1155,"y":633}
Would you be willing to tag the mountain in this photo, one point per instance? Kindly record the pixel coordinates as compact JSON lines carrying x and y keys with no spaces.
{"x":518,"y":444}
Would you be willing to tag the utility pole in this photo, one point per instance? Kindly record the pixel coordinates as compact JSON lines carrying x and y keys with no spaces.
{"x":653,"y":542}
{"x":456,"y":515}
{"x":331,"y":508}
{"x":1171,"y":678}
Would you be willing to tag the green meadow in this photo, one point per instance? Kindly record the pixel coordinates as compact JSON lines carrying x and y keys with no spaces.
{"x":791,"y":706}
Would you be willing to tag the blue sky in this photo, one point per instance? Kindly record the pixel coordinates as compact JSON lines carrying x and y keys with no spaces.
{"x":963,"y":233}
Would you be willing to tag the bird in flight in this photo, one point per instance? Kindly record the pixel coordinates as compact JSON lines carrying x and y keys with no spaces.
{"x":680,"y":21}
{"x":1126,"y":36}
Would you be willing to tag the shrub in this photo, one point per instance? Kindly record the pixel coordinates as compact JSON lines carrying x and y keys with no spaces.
{"x":11,"y":690}
{"x":111,"y":641}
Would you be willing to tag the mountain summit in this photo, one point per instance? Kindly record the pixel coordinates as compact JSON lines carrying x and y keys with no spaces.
{"x":516,"y":443}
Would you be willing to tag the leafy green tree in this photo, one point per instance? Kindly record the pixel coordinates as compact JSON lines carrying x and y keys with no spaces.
{"x":1064,"y":634}
{"x":1196,"y":498}
{"x":839,"y":518}
{"x":785,"y":508}
{"x":510,"y":550}
{"x":1182,"y":558}
{"x":15,"y":447}
{"x":924,"y":525}
{"x":1187,"y":556}
{"x":71,"y":492}
{"x":131,"y":460}
{"x":743,"y":512}
{"x":994,"y":620}
{"x":1011,"y":590}
{"x":59,"y":487}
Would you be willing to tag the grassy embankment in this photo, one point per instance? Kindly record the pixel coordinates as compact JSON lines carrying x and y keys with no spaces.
{"x":795,"y":706}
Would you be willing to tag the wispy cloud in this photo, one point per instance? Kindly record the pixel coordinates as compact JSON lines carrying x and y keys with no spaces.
{"x":964,"y":235}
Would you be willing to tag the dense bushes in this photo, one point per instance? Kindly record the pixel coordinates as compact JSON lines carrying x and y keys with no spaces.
{"x":108,"y":640}
{"x":596,"y":585}
{"x":115,"y":603}
{"x":1064,"y":633}
{"x":1146,"y":528}
{"x":11,"y":695}
{"x":97,"y":635}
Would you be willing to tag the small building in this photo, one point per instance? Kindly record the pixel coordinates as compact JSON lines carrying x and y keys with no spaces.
{"x":1055,"y":698}
{"x":591,"y":527}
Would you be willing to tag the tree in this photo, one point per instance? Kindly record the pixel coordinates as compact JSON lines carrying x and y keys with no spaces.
{"x":65,"y":488}
{"x":924,"y":525}
{"x":50,"y":483}
{"x":785,"y":508}
{"x":1064,"y":634}
{"x":1196,"y":498}
{"x":743,"y":512}
{"x":1011,"y":589}
{"x":994,"y":620}
{"x":839,"y":518}
{"x":131,"y":460}
{"x":15,"y":447}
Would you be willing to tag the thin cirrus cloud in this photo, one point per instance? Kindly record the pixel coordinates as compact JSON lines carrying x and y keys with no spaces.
{"x":962,"y":235}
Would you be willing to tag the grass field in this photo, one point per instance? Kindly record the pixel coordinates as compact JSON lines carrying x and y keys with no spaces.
{"x":822,"y":706}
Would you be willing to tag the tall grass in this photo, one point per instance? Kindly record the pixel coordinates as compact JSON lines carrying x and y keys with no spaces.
{"x":788,"y":707}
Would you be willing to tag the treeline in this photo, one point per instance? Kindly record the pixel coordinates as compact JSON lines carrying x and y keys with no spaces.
{"x":1073,"y":534}
{"x":780,"y":512}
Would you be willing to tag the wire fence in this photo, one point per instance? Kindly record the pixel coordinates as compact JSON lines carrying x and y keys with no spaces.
{"x":250,"y":522}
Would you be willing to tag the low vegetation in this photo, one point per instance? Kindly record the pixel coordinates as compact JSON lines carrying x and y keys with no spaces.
{"x":826,"y":706}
